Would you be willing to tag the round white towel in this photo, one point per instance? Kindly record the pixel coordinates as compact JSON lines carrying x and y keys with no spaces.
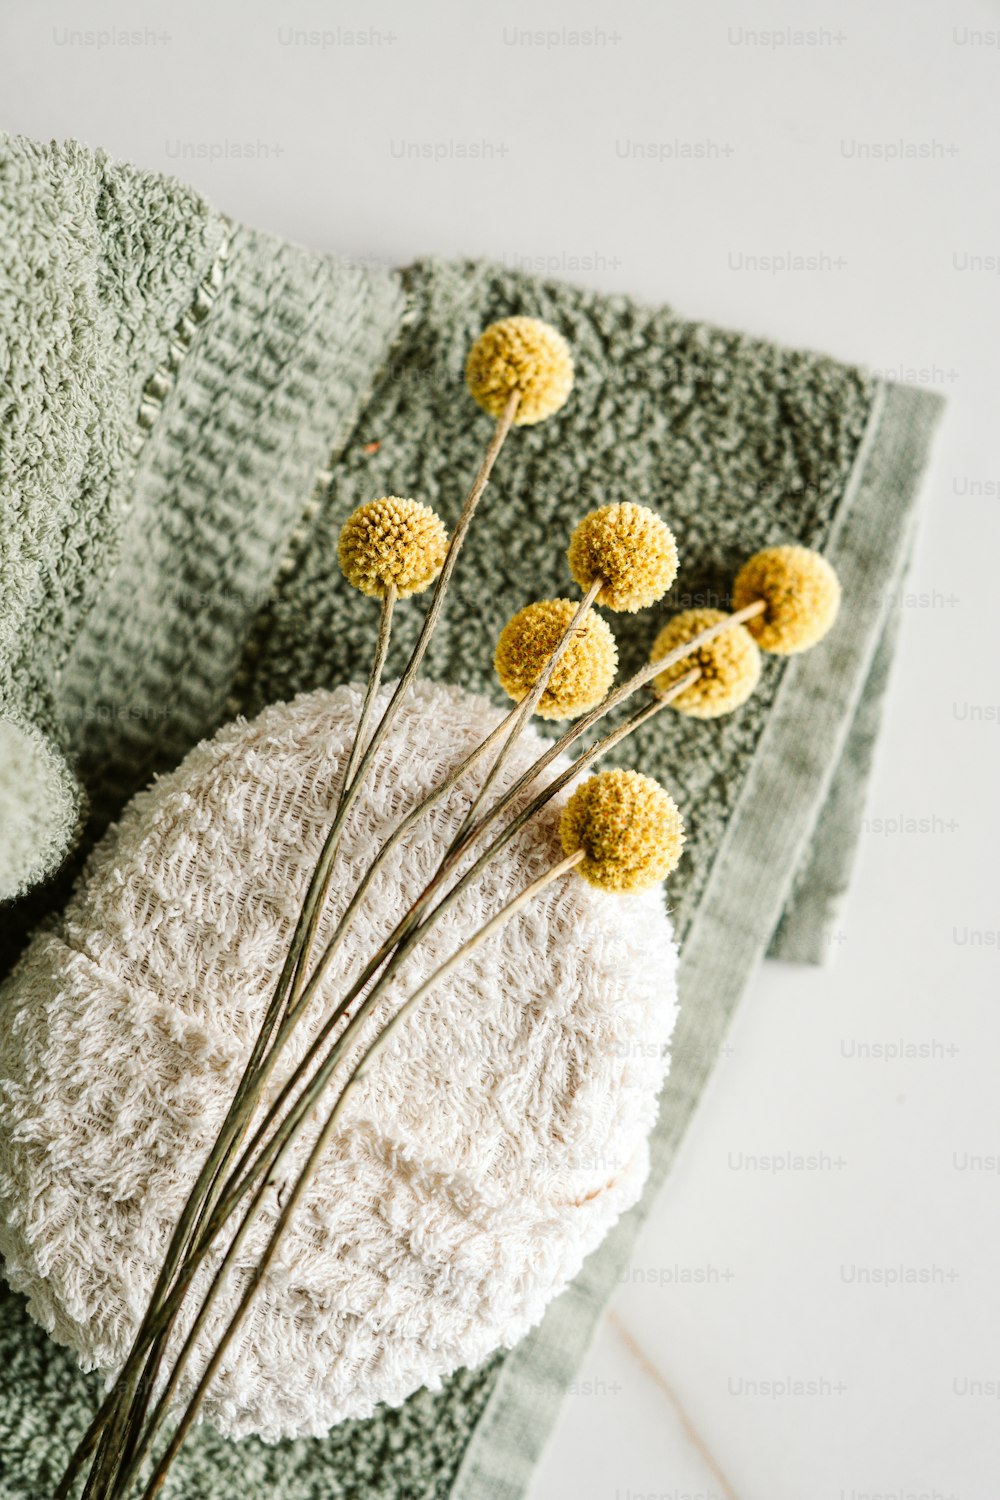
{"x":495,"y":1142}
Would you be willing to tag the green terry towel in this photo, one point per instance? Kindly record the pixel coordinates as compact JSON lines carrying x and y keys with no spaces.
{"x":189,"y":410}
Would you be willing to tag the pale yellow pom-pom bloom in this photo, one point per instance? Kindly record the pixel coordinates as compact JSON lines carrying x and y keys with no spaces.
{"x":729,"y":664}
{"x":631,"y":548}
{"x":524,"y":355}
{"x":392,"y":540}
{"x":802,"y":594}
{"x":583,"y":673}
{"x":628,"y":827}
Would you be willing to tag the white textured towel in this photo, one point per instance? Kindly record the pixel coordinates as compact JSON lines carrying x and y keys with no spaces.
{"x":495,"y":1142}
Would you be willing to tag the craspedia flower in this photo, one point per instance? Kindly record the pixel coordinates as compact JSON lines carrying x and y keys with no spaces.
{"x":631,"y":548}
{"x":524,"y":355}
{"x":802,"y":594}
{"x":628,"y":827}
{"x":392,"y":540}
{"x":729,"y":664}
{"x":583,"y":673}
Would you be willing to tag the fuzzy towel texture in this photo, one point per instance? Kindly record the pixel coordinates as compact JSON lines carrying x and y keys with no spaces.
{"x":499,"y":1137}
{"x":216,"y":403}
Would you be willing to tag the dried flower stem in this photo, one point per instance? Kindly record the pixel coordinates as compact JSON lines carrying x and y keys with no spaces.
{"x":612,"y":701}
{"x":413,"y":926}
{"x":316,"y":898}
{"x":374,"y":682}
{"x":528,"y":704}
{"x":110,"y":1418}
{"x":410,"y":931}
{"x":580,"y":726}
{"x":508,"y":726}
{"x":142,"y":1396}
{"x":563,"y":867}
{"x":454,"y":854}
{"x":403,"y":929}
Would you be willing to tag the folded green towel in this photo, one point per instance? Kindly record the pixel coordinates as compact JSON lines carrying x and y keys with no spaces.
{"x":190,"y":409}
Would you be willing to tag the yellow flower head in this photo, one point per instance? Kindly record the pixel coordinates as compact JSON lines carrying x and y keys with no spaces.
{"x":392,"y":540}
{"x":802,"y":593}
{"x":629,"y":828}
{"x":583,"y":673}
{"x":525,"y":355}
{"x":631,"y":549}
{"x":729,"y":664}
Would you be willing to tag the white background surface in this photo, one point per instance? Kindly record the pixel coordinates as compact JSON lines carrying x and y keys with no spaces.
{"x":901,"y":1380}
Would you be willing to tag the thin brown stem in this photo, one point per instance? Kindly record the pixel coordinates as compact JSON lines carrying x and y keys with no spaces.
{"x":652,"y":670}
{"x":273,"y":1154}
{"x":142,"y":1396}
{"x":408,"y":923}
{"x":612,"y":701}
{"x":529,"y":703}
{"x":350,"y":794}
{"x":411,"y":928}
{"x":290,"y":981}
{"x":508,"y":727}
{"x":374,"y":682}
{"x":566,"y":864}
{"x":407,"y":932}
{"x":558,"y":747}
{"x":304,"y":1178}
